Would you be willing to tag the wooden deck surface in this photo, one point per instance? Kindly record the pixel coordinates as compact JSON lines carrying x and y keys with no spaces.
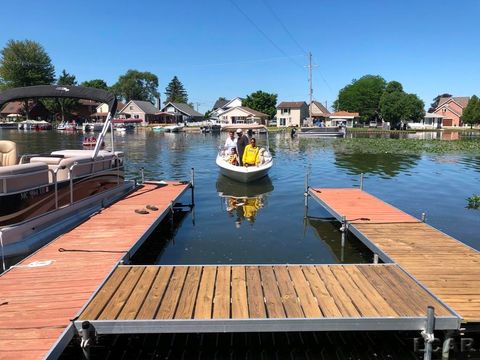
{"x":259,"y":292}
{"x":37,"y":303}
{"x":447,"y":267}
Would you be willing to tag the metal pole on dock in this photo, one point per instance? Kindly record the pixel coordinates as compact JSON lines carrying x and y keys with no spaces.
{"x":85,"y":343}
{"x":375,"y":258}
{"x":306,"y":191}
{"x":361,"y":181}
{"x":193,"y":185}
{"x":428,"y":333}
{"x":424,"y":217}
{"x":446,"y":345}
{"x":342,"y":250}
{"x":142,"y":175}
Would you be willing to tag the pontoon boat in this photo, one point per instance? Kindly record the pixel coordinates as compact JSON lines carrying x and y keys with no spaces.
{"x":44,"y":195}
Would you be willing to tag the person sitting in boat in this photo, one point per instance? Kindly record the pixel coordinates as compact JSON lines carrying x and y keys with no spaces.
{"x":242,"y":142}
{"x":230,"y":143}
{"x":251,"y":154}
{"x":233,"y":158}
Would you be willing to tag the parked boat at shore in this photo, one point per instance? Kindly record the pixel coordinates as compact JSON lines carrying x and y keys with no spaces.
{"x":174,"y":128}
{"x":318,"y":131}
{"x":44,"y":195}
{"x":241,"y":173}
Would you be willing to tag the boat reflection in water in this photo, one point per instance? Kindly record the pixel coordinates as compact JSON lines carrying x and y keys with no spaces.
{"x":243,"y":201}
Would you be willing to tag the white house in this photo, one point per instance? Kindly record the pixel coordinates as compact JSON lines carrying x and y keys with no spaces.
{"x":343,"y":118}
{"x":291,"y":113}
{"x":430,"y":121}
{"x":242,"y":115}
{"x":221,"y":106}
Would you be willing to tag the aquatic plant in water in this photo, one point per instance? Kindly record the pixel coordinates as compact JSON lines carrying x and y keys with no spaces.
{"x":473,"y":202}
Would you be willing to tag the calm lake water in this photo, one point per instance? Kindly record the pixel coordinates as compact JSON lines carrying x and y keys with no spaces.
{"x":266,"y":223}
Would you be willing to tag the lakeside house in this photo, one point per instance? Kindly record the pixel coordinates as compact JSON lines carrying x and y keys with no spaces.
{"x":181,"y":112}
{"x":222,"y":105}
{"x":430,"y":121}
{"x":14,"y":110}
{"x":243,"y":115}
{"x":451,"y":109}
{"x":101,"y":111}
{"x":142,"y":110}
{"x":342,"y":118}
{"x":319,"y":112}
{"x":291,"y":113}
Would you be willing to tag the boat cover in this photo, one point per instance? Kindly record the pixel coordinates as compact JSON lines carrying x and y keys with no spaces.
{"x":59,"y":91}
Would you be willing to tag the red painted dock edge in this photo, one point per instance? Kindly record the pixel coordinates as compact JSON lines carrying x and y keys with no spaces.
{"x":37,"y":303}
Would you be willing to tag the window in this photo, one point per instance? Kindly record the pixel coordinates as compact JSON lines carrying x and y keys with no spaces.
{"x":136,"y":117}
{"x":282,"y":122}
{"x":286,"y":111}
{"x":131,"y":107}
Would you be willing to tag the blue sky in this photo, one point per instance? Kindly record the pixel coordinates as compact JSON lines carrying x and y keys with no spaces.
{"x":431,"y":47}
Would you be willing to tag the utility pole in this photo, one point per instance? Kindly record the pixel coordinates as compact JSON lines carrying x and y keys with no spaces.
{"x":310,"y":81}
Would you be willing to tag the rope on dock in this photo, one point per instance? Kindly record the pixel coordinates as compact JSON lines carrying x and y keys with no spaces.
{"x":84,"y":250}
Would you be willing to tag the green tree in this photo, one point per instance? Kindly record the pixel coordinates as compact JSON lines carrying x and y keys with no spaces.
{"x":436,"y":100}
{"x":96,"y":83}
{"x":62,"y":105}
{"x":262,"y":101}
{"x":25,"y":63}
{"x":175,"y":92}
{"x":471,"y":113}
{"x":396,"y":106}
{"x":362,"y":96}
{"x":136,"y":85}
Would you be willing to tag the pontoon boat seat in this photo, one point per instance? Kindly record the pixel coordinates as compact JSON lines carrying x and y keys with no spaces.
{"x":20,"y":177}
{"x":83,"y":167}
{"x":8,"y":153}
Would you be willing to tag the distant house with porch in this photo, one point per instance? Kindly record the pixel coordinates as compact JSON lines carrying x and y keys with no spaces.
{"x":291,"y":113}
{"x":136,"y":109}
{"x":319,"y":112}
{"x":243,"y":115}
{"x":14,"y":110}
{"x":343,"y":118}
{"x":101,"y":111}
{"x":430,"y":121}
{"x":451,"y":108}
{"x":222,"y":105}
{"x":181,"y":112}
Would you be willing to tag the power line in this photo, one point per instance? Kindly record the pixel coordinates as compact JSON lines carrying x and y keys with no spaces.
{"x":264,"y":34}
{"x":283,"y":26}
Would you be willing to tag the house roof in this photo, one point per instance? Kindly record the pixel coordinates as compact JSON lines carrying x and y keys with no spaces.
{"x":247,"y":110}
{"x":220,"y":103}
{"x":344,"y":113}
{"x":291,"y":104}
{"x":183,"y":108}
{"x":146,"y":106}
{"x":16,"y":107}
{"x":322,"y":108}
{"x":460,"y":100}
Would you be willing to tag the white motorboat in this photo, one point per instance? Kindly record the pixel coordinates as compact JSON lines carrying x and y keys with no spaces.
{"x":174,"y":128}
{"x":45,"y":195}
{"x":317,"y":131}
{"x":241,"y":173}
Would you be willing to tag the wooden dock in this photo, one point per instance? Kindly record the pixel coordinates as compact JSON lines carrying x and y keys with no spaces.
{"x":448,"y":268}
{"x":252,"y":298}
{"x":40,"y":296}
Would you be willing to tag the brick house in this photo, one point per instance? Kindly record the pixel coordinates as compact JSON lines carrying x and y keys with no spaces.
{"x":451,"y":108}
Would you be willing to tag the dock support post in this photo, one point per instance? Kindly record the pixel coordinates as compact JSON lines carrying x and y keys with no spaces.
{"x":361,"y":181}
{"x":343,"y":228}
{"x":86,"y":339}
{"x":142,"y":175}
{"x":4,"y":267}
{"x":424,"y":217}
{"x":306,"y":191}
{"x":446,"y":345}
{"x":375,"y":258}
{"x":427,"y":334}
{"x":342,"y":250}
{"x":171,"y":215}
{"x":193,"y":185}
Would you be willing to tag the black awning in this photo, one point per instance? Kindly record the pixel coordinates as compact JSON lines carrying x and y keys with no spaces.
{"x":59,"y":91}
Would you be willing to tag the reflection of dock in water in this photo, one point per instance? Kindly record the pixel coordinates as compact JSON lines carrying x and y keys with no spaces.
{"x":243,"y":201}
{"x":344,"y":249}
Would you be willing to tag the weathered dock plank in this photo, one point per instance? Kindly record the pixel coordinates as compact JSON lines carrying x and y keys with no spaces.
{"x":37,"y":303}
